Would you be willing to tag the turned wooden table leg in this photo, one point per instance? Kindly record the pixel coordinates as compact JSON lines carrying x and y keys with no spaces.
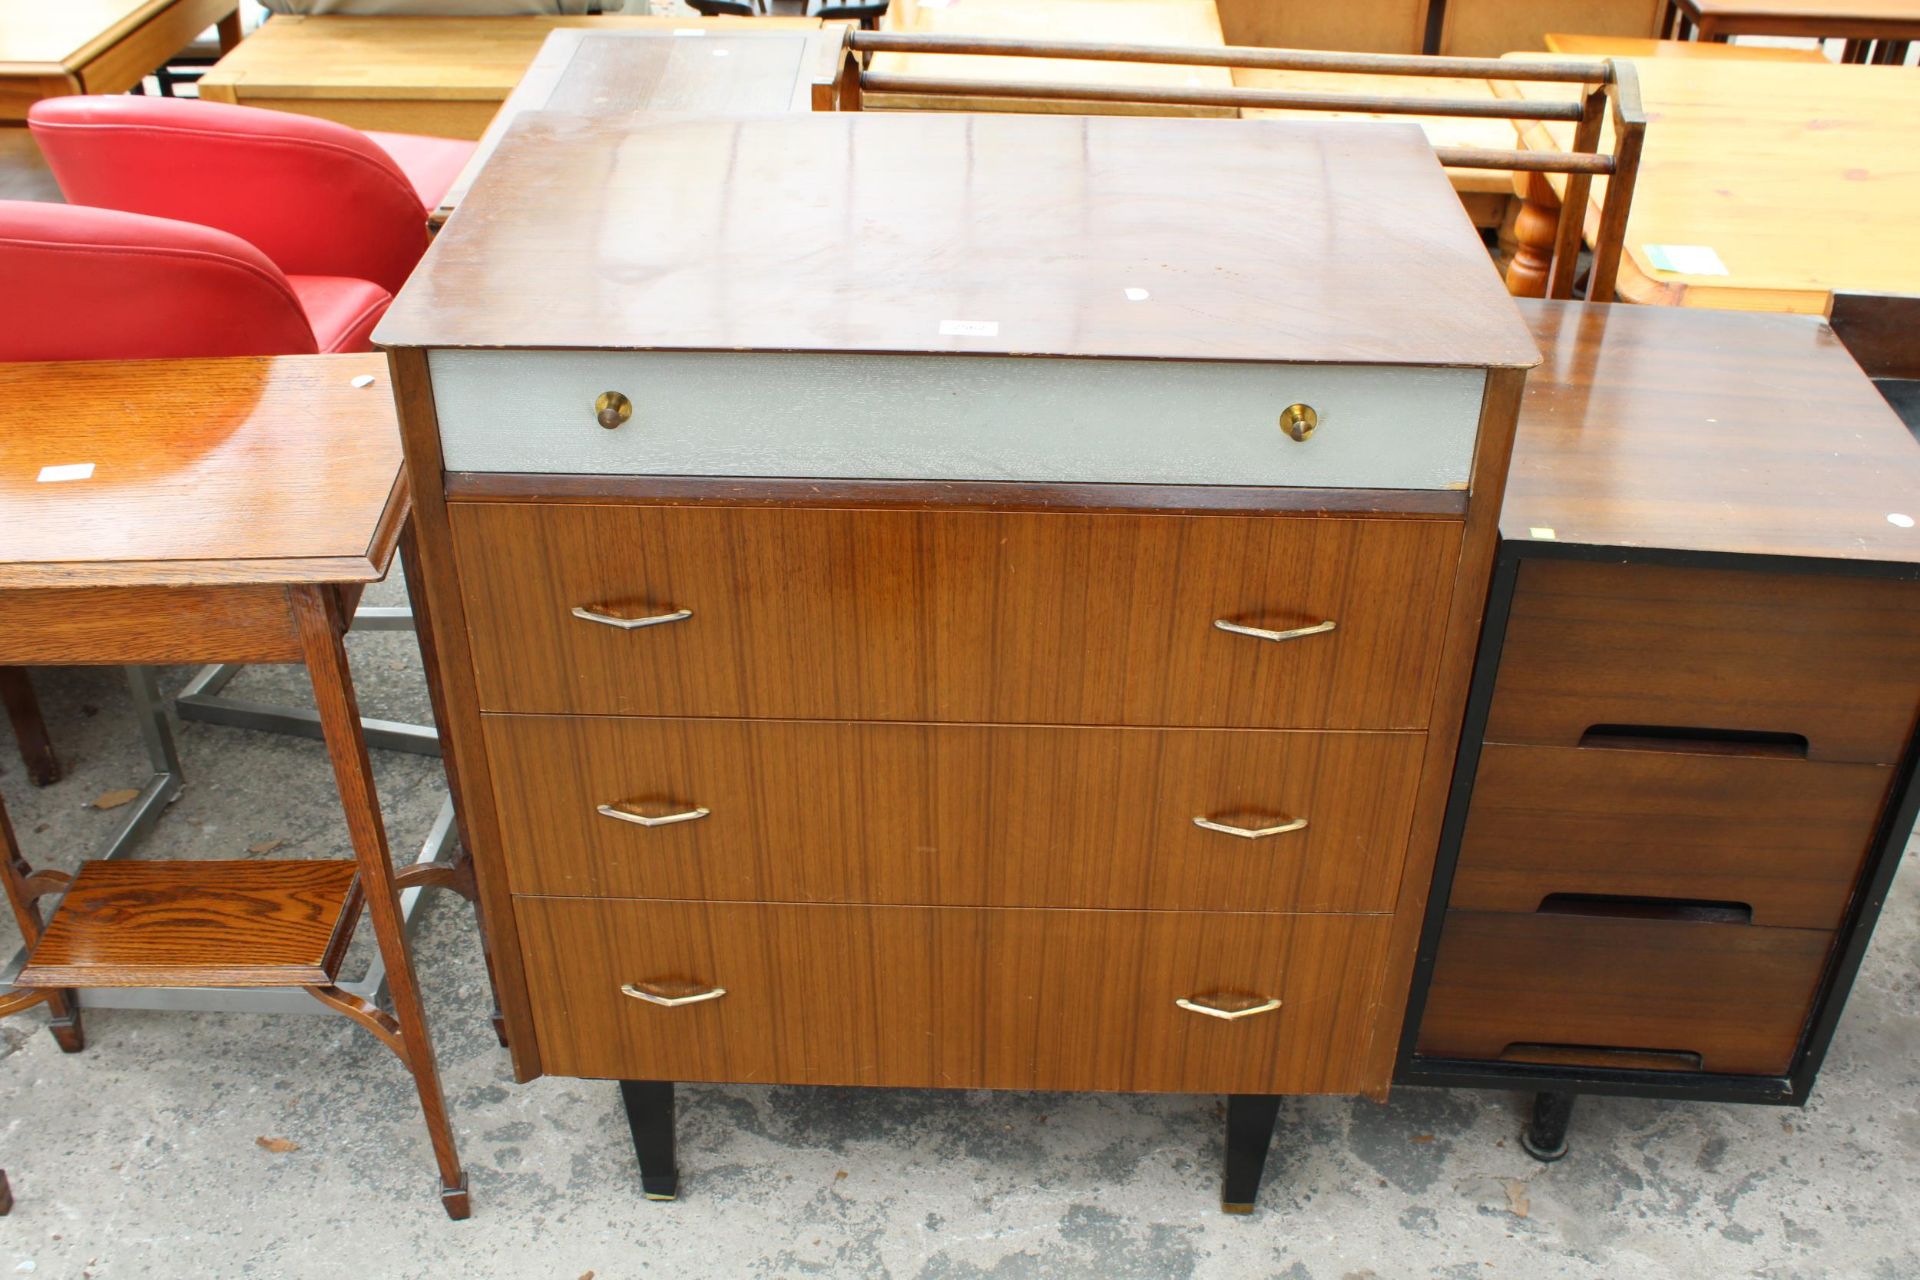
{"x":649,"y":1105}
{"x":436,"y":697}
{"x":1534,"y":227}
{"x":1250,"y":1118}
{"x":322,"y":632}
{"x":29,"y":728}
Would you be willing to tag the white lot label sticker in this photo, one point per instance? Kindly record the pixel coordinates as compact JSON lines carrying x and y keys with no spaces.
{"x":1900,"y":521}
{"x":1136,"y":294}
{"x":66,"y":471}
{"x":1686,"y":259}
{"x":969,"y":328}
{"x":1542,"y":534}
{"x":688,"y":31}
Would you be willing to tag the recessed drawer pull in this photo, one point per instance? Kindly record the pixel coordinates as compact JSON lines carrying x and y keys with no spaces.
{"x":594,"y":613}
{"x":1260,"y":633}
{"x":671,"y":1002}
{"x":1226,"y":1015}
{"x":1251,"y":833}
{"x":642,"y":820}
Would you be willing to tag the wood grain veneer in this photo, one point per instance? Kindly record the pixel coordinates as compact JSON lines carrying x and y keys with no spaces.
{"x":147,"y":625}
{"x":910,"y":615}
{"x":1035,"y":224}
{"x":269,"y":469}
{"x":1785,"y":837}
{"x":953,"y":998}
{"x":199,"y":924}
{"x":953,"y":815}
{"x":1647,"y":427}
{"x":1736,"y":995}
{"x":1826,"y":658}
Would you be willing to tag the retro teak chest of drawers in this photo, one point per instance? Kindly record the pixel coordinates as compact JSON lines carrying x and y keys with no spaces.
{"x":950,"y":601}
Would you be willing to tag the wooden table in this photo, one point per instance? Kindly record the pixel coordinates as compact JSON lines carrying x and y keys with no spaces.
{"x":1803,"y":178}
{"x":53,"y":47}
{"x":1592,"y":46}
{"x":431,"y":75}
{"x":1177,"y":22}
{"x":1472,"y":28}
{"x":230,"y":510}
{"x":730,"y":68}
{"x":1875,"y":30}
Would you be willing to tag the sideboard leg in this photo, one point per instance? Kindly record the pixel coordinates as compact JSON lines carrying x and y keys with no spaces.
{"x":650,"y":1116}
{"x":1545,"y":1137}
{"x":1250,"y":1118}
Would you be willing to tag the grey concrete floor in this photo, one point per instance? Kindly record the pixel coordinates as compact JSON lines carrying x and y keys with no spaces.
{"x":144,"y":1156}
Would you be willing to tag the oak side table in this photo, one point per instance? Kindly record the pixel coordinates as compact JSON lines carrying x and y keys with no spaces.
{"x":214,"y":510}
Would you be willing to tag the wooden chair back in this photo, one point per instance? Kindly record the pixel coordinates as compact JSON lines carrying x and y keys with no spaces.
{"x":1609,"y":92}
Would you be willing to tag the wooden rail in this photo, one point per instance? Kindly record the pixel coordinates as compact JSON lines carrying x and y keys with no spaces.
{"x":1549,"y":254}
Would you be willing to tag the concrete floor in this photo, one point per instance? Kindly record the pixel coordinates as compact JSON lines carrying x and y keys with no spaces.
{"x":144,"y":1156}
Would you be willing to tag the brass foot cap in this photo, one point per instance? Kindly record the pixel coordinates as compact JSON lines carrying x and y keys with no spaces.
{"x":1228,"y":1206}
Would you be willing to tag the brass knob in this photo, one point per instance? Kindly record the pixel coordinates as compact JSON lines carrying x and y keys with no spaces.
{"x":1299,"y":420}
{"x":612,"y":409}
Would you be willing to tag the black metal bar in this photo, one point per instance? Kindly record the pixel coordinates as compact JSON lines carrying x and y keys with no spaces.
{"x":649,"y":1106}
{"x":1545,"y":1137}
{"x":1250,"y":1118}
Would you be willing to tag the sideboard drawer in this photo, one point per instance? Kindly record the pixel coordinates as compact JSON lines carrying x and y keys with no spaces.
{"x":954,"y":615}
{"x":953,"y":815}
{"x":1784,"y":838}
{"x":953,"y":997}
{"x":1705,"y":653}
{"x":921,"y":417}
{"x":1603,"y":992}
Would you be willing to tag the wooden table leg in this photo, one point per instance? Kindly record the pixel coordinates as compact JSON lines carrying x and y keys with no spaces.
{"x":322,"y":634}
{"x":23,"y":710}
{"x":228,"y":29}
{"x":24,"y":888}
{"x":1535,"y":226}
{"x":436,"y":697}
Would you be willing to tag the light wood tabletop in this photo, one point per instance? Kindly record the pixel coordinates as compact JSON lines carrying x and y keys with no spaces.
{"x":146,"y":476}
{"x":1193,"y":23}
{"x":1802,"y":179}
{"x":431,"y":75}
{"x":1590,"y":46}
{"x":53,"y":47}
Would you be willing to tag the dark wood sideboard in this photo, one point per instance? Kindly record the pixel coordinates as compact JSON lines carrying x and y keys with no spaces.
{"x":1688,"y":766}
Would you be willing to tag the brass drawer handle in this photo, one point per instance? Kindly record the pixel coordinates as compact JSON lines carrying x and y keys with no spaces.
{"x":625,"y":814}
{"x":1251,"y":833}
{"x":1227,"y":1015}
{"x":594,"y":613}
{"x":1259,"y":633}
{"x":671,"y":1002}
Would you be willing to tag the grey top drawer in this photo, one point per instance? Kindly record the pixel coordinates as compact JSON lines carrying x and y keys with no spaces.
{"x":904,"y":417}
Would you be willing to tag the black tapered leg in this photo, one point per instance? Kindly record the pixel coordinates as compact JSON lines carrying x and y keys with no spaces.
{"x":650,"y":1116}
{"x":1250,"y":1118}
{"x":1545,"y":1137}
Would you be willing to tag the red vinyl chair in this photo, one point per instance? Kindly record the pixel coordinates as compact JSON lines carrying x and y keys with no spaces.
{"x":316,"y":197}
{"x":98,"y":284}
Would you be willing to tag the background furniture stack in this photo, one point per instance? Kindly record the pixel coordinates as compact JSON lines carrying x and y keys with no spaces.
{"x":1689,"y":763}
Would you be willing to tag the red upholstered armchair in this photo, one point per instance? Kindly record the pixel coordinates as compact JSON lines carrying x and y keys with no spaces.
{"x":98,"y":284}
{"x":318,"y":198}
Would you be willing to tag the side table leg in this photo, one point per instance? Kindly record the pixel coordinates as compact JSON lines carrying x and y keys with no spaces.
{"x":650,"y":1115}
{"x":29,"y":727}
{"x":1545,"y":1137}
{"x":322,"y":632}
{"x":1250,"y":1118}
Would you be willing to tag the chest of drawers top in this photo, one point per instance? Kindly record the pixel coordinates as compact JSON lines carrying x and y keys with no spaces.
{"x":965,"y":235}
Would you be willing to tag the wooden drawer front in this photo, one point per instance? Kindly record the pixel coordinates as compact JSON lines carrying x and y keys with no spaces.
{"x":1835,"y":660}
{"x":1621,"y":992}
{"x":917,"y":417}
{"x":954,"y":815}
{"x":1785,"y":838}
{"x":969,"y":616}
{"x":933,"y":997}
